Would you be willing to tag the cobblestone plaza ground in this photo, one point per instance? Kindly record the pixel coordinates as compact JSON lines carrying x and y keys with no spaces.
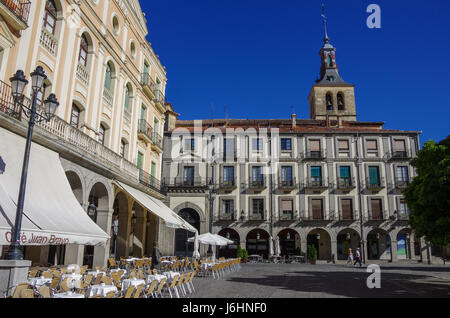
{"x":312,"y":281}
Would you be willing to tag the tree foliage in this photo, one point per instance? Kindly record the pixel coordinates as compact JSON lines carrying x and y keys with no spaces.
{"x":428,"y":195}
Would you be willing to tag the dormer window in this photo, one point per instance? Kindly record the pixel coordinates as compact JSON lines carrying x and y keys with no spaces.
{"x":330,"y":60}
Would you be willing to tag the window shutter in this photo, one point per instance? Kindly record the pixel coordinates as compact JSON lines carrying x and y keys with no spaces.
{"x":399,"y":145}
{"x":343,"y":145}
{"x":287,"y":205}
{"x":314,"y":145}
{"x":376,"y":209}
{"x":371,"y":145}
{"x":317,"y":209}
{"x":345,"y":172}
{"x":347,"y":209}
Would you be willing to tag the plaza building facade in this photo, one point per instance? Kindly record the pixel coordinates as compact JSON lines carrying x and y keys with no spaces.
{"x":330,"y":181}
{"x":108,"y":128}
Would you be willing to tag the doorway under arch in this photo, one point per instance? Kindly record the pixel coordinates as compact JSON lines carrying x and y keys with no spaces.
{"x":347,"y":239}
{"x":257,"y":243}
{"x":182,"y":246}
{"x":378,"y":245}
{"x":322,"y":242}
{"x":289,"y":242}
{"x":229,"y":251}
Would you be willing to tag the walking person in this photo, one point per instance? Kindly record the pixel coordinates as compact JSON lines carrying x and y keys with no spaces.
{"x":350,"y":256}
{"x":357,"y":257}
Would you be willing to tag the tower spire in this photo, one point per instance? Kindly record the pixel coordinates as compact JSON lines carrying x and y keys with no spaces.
{"x":326,"y":39}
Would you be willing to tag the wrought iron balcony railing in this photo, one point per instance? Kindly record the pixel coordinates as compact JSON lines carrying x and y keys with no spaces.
{"x":148,"y":83}
{"x":313,"y":155}
{"x":150,"y":181}
{"x":257,"y":216}
{"x":227,"y":184}
{"x":286,"y":216}
{"x":398,"y":155}
{"x":159,"y":97}
{"x":287,"y":183}
{"x":401,"y":183}
{"x":315,"y":184}
{"x":228,"y":215}
{"x":257,"y":183}
{"x":20,"y":8}
{"x":346,"y":183}
{"x":145,"y":130}
{"x":375,"y":185}
{"x":186,"y":182}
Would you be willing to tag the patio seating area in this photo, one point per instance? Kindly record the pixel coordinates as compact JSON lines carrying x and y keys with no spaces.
{"x":125,"y":278}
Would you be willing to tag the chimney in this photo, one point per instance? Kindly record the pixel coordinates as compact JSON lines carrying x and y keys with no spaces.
{"x":294,"y":120}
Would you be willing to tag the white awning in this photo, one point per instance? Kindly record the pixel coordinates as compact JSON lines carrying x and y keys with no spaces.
{"x":52,"y":214}
{"x":157,"y":207}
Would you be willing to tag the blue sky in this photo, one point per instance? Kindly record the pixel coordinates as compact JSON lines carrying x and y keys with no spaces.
{"x":257,"y":58}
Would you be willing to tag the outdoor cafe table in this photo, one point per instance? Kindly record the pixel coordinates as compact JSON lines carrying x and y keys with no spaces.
{"x":132,"y":282}
{"x":96,"y":273}
{"x":157,"y":277}
{"x":255,"y":258}
{"x":73,"y":277}
{"x":39,"y":281}
{"x":73,"y":267}
{"x":171,"y":275}
{"x":116,"y":270}
{"x":101,"y":290}
{"x":68,"y":295}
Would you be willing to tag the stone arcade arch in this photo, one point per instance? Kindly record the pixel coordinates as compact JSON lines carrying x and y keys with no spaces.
{"x":121,"y":212}
{"x":346,"y":239}
{"x":257,"y":243}
{"x":378,"y":245}
{"x":229,"y":251}
{"x":289,"y":242}
{"x":321,"y":239}
{"x":182,"y":247}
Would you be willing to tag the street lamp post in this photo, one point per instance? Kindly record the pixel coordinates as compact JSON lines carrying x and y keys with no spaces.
{"x":18,"y":83}
{"x":211,"y":194}
{"x":115,"y":232}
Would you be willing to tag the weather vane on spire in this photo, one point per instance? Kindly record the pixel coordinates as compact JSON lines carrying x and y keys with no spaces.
{"x":325,"y":23}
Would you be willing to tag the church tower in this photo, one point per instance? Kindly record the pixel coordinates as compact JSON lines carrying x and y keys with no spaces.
{"x":331,"y":97}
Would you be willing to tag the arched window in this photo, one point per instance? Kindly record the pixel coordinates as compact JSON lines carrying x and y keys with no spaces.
{"x":50,"y":16}
{"x":101,"y":134}
{"x":108,"y":77}
{"x":127,"y":99}
{"x":329,"y":102}
{"x":84,"y":48}
{"x":75,"y":116}
{"x":341,"y":101}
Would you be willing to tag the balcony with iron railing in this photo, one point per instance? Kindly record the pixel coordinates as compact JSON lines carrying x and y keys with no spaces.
{"x":148,"y":84}
{"x":401,"y":183}
{"x":398,"y":155}
{"x":228,"y":215}
{"x":348,"y":215}
{"x":286,"y":216}
{"x":257,"y":183}
{"x":79,"y":142}
{"x":377,"y":216}
{"x":157,"y":142}
{"x":313,"y":155}
{"x":287,"y":183}
{"x":318,"y":217}
{"x":186,"y":182}
{"x":159,"y":97}
{"x":227,"y":184}
{"x":257,"y":216}
{"x":150,"y":181}
{"x":375,"y":185}
{"x":145,"y":131}
{"x":16,"y":13}
{"x":315,"y":184}
{"x":345,"y":183}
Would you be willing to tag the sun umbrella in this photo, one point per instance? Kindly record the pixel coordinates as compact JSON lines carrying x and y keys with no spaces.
{"x":277,"y":240}
{"x":196,"y":253}
{"x":208,"y":239}
{"x":224,"y":239}
{"x":270,"y":246}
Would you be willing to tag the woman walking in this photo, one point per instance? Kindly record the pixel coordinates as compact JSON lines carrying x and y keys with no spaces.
{"x":350,"y":256}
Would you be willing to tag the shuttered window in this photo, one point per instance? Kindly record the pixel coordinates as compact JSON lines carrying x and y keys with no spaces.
{"x":343,"y":145}
{"x":371,"y":145}
{"x":317,"y":209}
{"x":399,"y":145}
{"x":314,"y":145}
{"x":375,"y":205}
{"x":287,"y":205}
{"x":374,"y":175}
{"x":347,"y":209}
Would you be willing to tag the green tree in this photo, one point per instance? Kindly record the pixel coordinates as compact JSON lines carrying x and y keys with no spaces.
{"x":428,"y":195}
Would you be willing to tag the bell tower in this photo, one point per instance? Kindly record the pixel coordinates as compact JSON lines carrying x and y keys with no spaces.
{"x":331,"y":97}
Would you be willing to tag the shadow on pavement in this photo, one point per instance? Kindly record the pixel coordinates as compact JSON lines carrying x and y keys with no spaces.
{"x":351,"y":284}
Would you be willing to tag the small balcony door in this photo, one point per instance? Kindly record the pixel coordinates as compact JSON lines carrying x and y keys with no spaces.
{"x":188,"y":176}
